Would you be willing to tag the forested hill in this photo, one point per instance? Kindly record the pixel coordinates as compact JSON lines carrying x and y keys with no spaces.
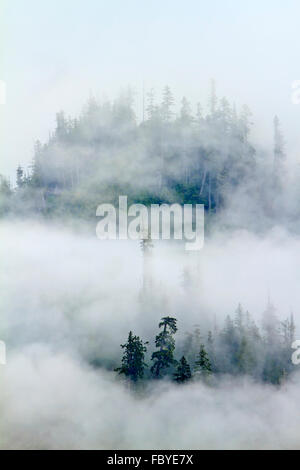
{"x":183,"y":157}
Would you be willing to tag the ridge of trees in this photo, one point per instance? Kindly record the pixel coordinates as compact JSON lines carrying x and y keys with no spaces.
{"x":239,"y":348}
{"x":182,"y":157}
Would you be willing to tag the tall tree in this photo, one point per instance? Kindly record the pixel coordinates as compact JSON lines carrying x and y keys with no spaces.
{"x":185,"y":112}
{"x":167,"y":104}
{"x":164,"y":341}
{"x":133,"y":364}
{"x":20,"y":176}
{"x":245,"y":359}
{"x":151,"y":107}
{"x":203,"y":364}
{"x":212,"y":98}
{"x":279,"y":155}
{"x":183,"y":372}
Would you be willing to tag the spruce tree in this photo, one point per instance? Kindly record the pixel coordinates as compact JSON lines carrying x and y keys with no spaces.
{"x":202,"y":364}
{"x":164,"y":341}
{"x":20,"y":176}
{"x":183,"y":372}
{"x":133,"y":364}
{"x":167,"y":104}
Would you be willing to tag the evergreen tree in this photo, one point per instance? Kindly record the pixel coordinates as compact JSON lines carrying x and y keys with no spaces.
{"x":36,"y":179}
{"x":183,"y":372}
{"x":279,"y":155}
{"x":203,"y":364}
{"x":5,"y":195}
{"x":151,"y":108}
{"x":245,"y":359}
{"x":133,"y":364}
{"x":185,"y":112}
{"x":271,"y":324}
{"x":211,"y":351}
{"x":5,"y":188}
{"x":164,"y":341}
{"x":239,"y":319}
{"x":167,"y":104}
{"x":245,"y":123}
{"x":213,"y":98}
{"x":20,"y":177}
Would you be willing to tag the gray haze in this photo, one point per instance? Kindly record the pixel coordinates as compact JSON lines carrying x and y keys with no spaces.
{"x":60,"y":314}
{"x":55,"y":53}
{"x":68,"y":300}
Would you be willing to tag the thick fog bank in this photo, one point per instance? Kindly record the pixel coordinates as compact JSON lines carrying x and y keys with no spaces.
{"x":69,"y":300}
{"x":53,"y":401}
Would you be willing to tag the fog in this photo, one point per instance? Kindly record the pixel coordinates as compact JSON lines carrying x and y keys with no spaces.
{"x":53,"y":401}
{"x":69,"y":299}
{"x":251,"y":49}
{"x":128,"y":98}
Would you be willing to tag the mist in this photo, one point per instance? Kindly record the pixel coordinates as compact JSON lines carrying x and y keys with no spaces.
{"x":61,"y":317}
{"x":166,"y":103}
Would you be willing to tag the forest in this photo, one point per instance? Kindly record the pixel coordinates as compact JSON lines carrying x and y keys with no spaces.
{"x":238,"y":348}
{"x":173,"y":154}
{"x":203,"y":157}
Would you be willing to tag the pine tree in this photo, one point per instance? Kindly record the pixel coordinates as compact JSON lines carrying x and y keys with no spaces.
{"x":167,"y":104}
{"x":199,"y":114}
{"x":5,"y":188}
{"x":245,"y":123}
{"x":245,"y":359}
{"x":279,"y":155}
{"x":239,"y":319}
{"x":36,"y":179}
{"x":164,"y":341}
{"x":183,"y":372}
{"x":211,"y":351}
{"x":20,"y":177}
{"x":212,"y":98}
{"x":151,"y":107}
{"x":271,"y":324}
{"x":5,"y":194}
{"x":185,"y":112}
{"x":133,"y":364}
{"x":203,"y":364}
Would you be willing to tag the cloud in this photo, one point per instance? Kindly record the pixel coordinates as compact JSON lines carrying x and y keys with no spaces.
{"x":70,"y":299}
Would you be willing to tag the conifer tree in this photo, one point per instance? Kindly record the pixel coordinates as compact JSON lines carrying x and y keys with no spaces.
{"x":164,"y":341}
{"x":212,"y":98}
{"x":20,"y":176}
{"x":183,"y":372}
{"x":279,"y":155}
{"x":245,"y":359}
{"x":167,"y":104}
{"x":202,"y":364}
{"x":133,"y":364}
{"x":150,"y":109}
{"x":185,"y":112}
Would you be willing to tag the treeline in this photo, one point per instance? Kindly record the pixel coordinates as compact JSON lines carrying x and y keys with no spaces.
{"x":239,"y":348}
{"x":190,"y":156}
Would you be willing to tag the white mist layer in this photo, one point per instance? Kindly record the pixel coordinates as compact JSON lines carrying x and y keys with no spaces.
{"x":68,"y":298}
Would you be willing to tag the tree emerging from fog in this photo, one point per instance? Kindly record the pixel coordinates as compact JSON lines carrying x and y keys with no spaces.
{"x":237,"y":349}
{"x":175,"y":154}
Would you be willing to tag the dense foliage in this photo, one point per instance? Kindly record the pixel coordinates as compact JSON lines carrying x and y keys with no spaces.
{"x":237,"y":349}
{"x":181,"y":157}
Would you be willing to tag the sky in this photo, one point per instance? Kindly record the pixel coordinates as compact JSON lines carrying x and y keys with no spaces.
{"x":53,"y":54}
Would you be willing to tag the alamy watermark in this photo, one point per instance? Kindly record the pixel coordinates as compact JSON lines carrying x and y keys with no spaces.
{"x":296,"y":354}
{"x":296,"y":92}
{"x":159,"y":221}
